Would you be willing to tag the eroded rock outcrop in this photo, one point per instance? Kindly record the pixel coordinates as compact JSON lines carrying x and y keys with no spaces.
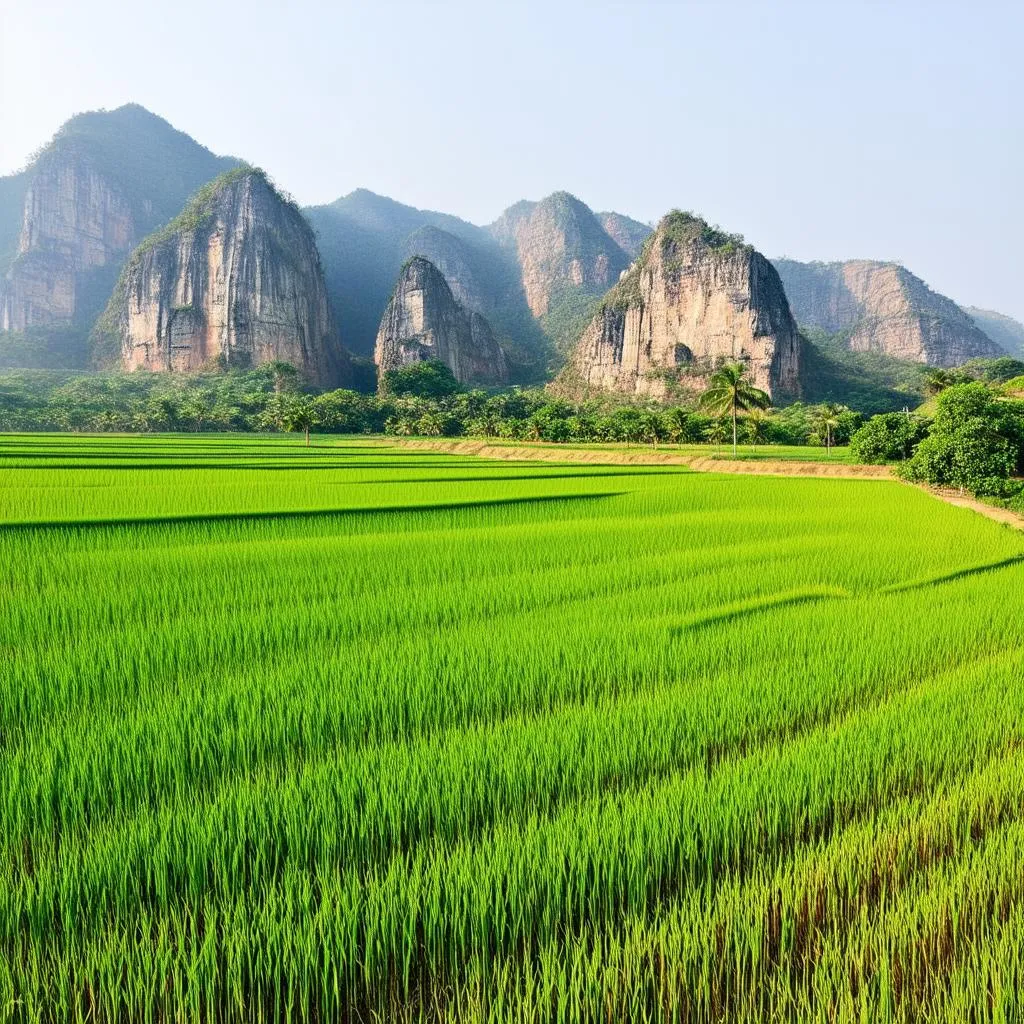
{"x":883,"y":307}
{"x":694,"y":298}
{"x":424,"y":321}
{"x":457,"y":260}
{"x":75,"y":221}
{"x":561,"y":246}
{"x":106,"y":180}
{"x":234,"y":281}
{"x":627,"y":233}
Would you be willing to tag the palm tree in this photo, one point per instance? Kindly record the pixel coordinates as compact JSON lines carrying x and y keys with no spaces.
{"x":650,"y":427}
{"x":730,"y":391}
{"x":826,"y":420}
{"x":938,"y":380}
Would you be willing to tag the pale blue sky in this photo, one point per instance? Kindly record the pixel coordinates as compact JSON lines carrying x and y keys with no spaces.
{"x":819,"y":130}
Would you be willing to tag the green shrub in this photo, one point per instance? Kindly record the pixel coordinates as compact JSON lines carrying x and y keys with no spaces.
{"x":427,"y":379}
{"x":974,"y":444}
{"x":888,"y":437}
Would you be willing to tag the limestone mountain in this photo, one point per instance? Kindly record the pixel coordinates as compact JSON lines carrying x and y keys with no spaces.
{"x":536,"y":274}
{"x":1003,"y":330}
{"x":883,"y":308}
{"x":695,"y":297}
{"x":234,"y":280}
{"x":629,"y":234}
{"x":362,"y":241}
{"x":566,"y":261}
{"x":423,"y":320}
{"x":68,"y":221}
{"x":461,"y":263}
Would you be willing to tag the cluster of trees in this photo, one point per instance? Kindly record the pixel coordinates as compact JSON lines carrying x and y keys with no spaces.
{"x":974,"y":442}
{"x":973,"y":438}
{"x":117,"y":402}
{"x":423,"y":400}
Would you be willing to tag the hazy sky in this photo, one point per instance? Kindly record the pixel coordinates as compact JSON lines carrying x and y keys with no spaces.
{"x":819,"y":130}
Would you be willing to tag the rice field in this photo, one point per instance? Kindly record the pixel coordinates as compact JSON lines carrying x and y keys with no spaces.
{"x":358,"y":733}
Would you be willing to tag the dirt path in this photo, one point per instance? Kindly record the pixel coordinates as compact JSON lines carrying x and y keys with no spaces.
{"x":704,"y":464}
{"x":650,"y":457}
{"x":1000,"y":515}
{"x":783,"y":467}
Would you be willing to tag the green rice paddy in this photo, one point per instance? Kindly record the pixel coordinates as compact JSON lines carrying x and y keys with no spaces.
{"x":358,"y":733}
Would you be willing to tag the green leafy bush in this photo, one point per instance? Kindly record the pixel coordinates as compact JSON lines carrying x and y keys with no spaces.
{"x":427,"y":379}
{"x":975,"y":443}
{"x":888,"y":437}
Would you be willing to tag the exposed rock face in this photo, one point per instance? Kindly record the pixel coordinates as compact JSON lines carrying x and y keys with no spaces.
{"x":105,"y":180}
{"x":696,"y":297}
{"x":364,"y":239}
{"x":455,"y":259}
{"x":560,"y":245}
{"x":424,"y":321}
{"x":627,"y":233}
{"x":74,"y":221}
{"x":536,"y":274}
{"x":1003,"y":330}
{"x":885,"y":308}
{"x":234,"y":280}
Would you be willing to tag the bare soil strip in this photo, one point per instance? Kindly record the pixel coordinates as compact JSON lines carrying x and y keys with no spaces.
{"x":650,"y":457}
{"x":704,"y":464}
{"x":1000,"y":515}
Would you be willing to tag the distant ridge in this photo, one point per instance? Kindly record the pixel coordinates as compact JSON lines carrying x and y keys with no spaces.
{"x":883,"y":308}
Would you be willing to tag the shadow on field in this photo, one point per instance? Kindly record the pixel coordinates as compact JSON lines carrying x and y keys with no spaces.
{"x":583,"y":473}
{"x":167,"y":463}
{"x":298,"y":514}
{"x":756,"y":607}
{"x":934,"y":581}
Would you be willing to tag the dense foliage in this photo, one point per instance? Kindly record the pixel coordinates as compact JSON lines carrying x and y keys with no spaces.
{"x":429,"y":378}
{"x":975,"y":443}
{"x":888,"y":437}
{"x":681,"y":228}
{"x":357,"y":734}
{"x":421,"y":400}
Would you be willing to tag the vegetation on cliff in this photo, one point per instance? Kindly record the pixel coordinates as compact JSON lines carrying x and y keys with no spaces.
{"x":199,"y":211}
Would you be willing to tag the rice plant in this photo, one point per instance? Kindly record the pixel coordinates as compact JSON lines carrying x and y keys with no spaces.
{"x":357,"y":733}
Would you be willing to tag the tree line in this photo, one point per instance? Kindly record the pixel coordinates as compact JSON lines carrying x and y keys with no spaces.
{"x":422,"y":400}
{"x":970,"y":436}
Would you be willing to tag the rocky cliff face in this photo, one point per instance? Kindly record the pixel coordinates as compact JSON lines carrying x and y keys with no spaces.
{"x":457,"y":261}
{"x":695,"y":297}
{"x":627,"y":233}
{"x":561,"y":246}
{"x":234,"y":280}
{"x":536,"y":274}
{"x":424,"y":321}
{"x":75,"y":221}
{"x":883,"y":307}
{"x":364,"y":239}
{"x":106,"y":180}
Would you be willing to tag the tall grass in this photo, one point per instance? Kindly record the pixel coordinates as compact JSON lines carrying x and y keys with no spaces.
{"x":363,"y":734}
